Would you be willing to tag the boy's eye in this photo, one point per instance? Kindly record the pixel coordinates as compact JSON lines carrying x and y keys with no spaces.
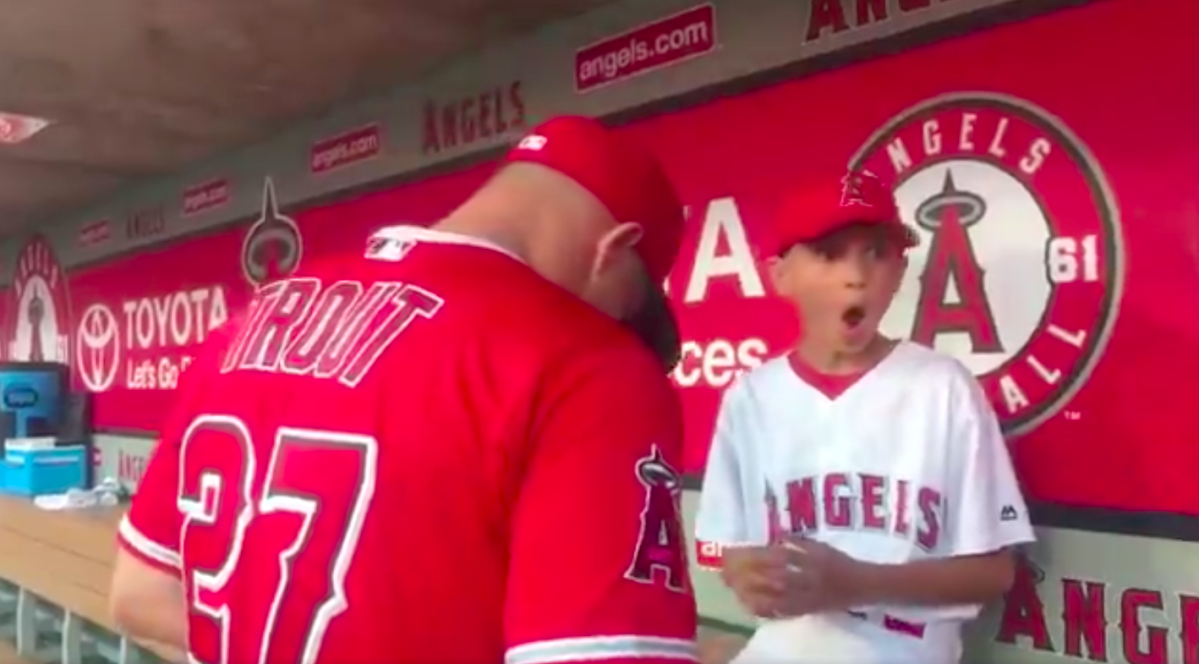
{"x":880,"y":248}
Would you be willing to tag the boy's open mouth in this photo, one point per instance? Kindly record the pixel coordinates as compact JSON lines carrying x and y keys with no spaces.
{"x":854,"y":316}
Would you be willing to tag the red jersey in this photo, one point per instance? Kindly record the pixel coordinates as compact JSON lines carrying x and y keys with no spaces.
{"x":427,"y":454}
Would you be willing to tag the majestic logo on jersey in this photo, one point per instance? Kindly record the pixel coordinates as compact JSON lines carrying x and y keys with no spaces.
{"x":1022,"y":265}
{"x":383,"y":247}
{"x":660,"y":544}
{"x":39,"y":329}
{"x":273,"y":245}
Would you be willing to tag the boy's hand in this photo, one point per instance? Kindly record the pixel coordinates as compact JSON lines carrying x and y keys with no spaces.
{"x":757,"y":574}
{"x":720,"y":648}
{"x":795,"y":577}
{"x":820,"y":578}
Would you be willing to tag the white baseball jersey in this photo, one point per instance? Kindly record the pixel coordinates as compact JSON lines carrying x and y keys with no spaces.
{"x":906,"y":463}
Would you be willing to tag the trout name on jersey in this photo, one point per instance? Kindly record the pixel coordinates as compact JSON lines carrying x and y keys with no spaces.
{"x":302,"y":326}
{"x":858,"y":501}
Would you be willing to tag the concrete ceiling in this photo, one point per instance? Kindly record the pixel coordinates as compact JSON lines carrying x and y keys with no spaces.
{"x":138,"y":88}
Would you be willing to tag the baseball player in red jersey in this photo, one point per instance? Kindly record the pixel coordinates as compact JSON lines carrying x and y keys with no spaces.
{"x":445,"y":449}
{"x":859,"y":485}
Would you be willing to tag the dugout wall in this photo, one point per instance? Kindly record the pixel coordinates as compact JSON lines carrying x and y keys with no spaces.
{"x":1075,"y":271}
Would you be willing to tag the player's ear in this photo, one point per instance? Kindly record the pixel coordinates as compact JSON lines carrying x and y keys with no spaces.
{"x":613,"y":244}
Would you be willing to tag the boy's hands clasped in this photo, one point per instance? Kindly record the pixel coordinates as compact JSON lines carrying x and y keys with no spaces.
{"x":793,"y":577}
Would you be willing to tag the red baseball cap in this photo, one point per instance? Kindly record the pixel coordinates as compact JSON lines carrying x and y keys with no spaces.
{"x":858,"y":199}
{"x":627,"y":178}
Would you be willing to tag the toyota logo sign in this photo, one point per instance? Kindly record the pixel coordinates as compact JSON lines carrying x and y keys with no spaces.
{"x":98,"y":348}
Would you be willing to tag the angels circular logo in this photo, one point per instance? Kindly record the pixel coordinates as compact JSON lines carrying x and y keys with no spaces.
{"x":1021,"y":266}
{"x":40,"y":329}
{"x":273,"y":246}
{"x":97,"y":348}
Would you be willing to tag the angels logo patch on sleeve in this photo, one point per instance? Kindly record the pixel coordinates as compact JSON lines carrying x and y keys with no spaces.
{"x":659,"y":556}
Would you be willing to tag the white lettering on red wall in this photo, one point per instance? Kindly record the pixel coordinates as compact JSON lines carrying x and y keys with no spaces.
{"x":722,"y":255}
{"x":159,"y":332}
{"x":459,"y":123}
{"x":662,"y":43}
{"x":827,"y":17}
{"x":352,"y":147}
{"x":205,"y":197}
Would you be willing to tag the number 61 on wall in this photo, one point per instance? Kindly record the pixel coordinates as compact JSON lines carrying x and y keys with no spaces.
{"x":1069,"y":259}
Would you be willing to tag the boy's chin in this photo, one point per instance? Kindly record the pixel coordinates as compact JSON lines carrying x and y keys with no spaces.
{"x":857,"y":340}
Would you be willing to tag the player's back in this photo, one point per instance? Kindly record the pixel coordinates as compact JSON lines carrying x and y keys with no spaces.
{"x":351,"y":469}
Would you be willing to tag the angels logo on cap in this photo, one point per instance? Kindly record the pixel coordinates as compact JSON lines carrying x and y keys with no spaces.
{"x":532,"y":142}
{"x":851,"y":188}
{"x":1022,"y":265}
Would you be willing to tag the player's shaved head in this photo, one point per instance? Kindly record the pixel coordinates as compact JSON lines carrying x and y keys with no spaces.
{"x":546,"y":190}
{"x":592,"y":212}
{"x":543,"y":216}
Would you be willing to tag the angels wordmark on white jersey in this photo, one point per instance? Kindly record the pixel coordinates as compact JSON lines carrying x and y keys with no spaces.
{"x":908,"y":463}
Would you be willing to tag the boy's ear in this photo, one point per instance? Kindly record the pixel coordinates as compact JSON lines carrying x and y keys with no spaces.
{"x":777,"y":269}
{"x":903,"y":269}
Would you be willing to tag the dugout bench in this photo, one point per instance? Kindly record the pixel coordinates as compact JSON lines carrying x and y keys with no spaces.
{"x":55,"y":567}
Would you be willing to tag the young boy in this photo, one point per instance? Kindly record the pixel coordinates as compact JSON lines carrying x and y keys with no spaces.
{"x":859,"y":485}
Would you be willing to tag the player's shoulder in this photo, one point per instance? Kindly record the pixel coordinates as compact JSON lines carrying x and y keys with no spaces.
{"x":532,"y":327}
{"x":569,"y":333}
{"x":580,"y":349}
{"x":485,"y":287}
{"x":593,"y":346}
{"x":600,"y":382}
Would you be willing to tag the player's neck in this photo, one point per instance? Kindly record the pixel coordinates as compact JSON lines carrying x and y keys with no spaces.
{"x":832,"y":359}
{"x":536,"y":215}
{"x":479,"y":223}
{"x":511,"y":211}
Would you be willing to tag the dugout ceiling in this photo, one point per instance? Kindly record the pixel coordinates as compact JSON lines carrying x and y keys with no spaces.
{"x":145,"y":93}
{"x":135,"y":89}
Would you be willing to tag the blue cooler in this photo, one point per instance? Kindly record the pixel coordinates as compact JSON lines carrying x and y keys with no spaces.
{"x":37,"y":467}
